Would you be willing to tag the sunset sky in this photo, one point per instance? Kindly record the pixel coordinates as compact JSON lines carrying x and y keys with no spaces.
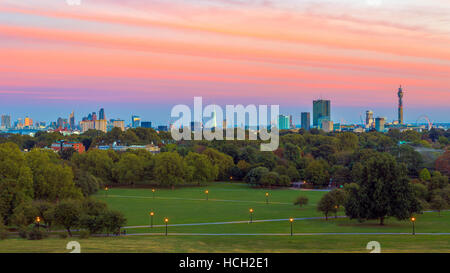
{"x":143,"y":57}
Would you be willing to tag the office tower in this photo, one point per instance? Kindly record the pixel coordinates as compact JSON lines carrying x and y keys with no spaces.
{"x":283,"y":122}
{"x":28,"y":122}
{"x":6,"y":121}
{"x":400,"y":105}
{"x":321,"y":111}
{"x":101,"y":114}
{"x":94,"y":116}
{"x":146,"y":124}
{"x":369,"y":119}
{"x":60,"y":123}
{"x":89,"y":117}
{"x":163,"y":128}
{"x":379,"y":124}
{"x":135,"y":121}
{"x":327,"y":125}
{"x":118,"y":123}
{"x":72,"y":121}
{"x":291,"y":122}
{"x":100,"y":125}
{"x":306,"y":120}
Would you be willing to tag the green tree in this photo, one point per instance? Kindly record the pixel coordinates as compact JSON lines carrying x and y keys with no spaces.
{"x":301,"y":201}
{"x":327,"y":205}
{"x":170,"y":169}
{"x":438,"y":204}
{"x":383,"y":191}
{"x":223,"y":162}
{"x":68,"y":213}
{"x":129,"y":170}
{"x":96,"y":162}
{"x":291,"y":152}
{"x":425,"y":175}
{"x":113,"y":221}
{"x":202,"y":168}
{"x":317,"y":173}
{"x":254,"y":175}
{"x":269,"y":179}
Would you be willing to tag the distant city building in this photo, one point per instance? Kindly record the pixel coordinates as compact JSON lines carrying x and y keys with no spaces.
{"x":306,"y":120}
{"x":28,"y":122}
{"x":283,"y":122}
{"x":379,"y":124}
{"x":163,"y":128}
{"x":6,"y":121}
{"x":400,"y":105}
{"x":118,"y":123}
{"x":94,"y":116}
{"x":101,"y":114}
{"x":61,"y":123}
{"x":146,"y":124}
{"x":321,"y":112}
{"x":119,"y":148}
{"x":72,"y":121}
{"x":369,"y":119}
{"x":291,"y":122}
{"x":327,"y":125}
{"x":100,"y":125}
{"x":77,"y":146}
{"x":337,"y":127}
{"x":196,"y":126}
{"x":135,"y":121}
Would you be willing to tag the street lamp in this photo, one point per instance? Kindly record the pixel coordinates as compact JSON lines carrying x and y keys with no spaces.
{"x":291,"y":220}
{"x":206,"y":192}
{"x":38,"y":220}
{"x":106,"y":191}
{"x":251,"y":215}
{"x":413,"y":219}
{"x":151,"y":218}
{"x":166,"y":220}
{"x":267,"y":198}
{"x":153,"y":192}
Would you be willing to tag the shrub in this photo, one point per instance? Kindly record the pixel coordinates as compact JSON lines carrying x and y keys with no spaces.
{"x":3,"y":231}
{"x":23,"y":233}
{"x":301,"y":200}
{"x":63,"y":235}
{"x":84,"y":234}
{"x":36,"y":234}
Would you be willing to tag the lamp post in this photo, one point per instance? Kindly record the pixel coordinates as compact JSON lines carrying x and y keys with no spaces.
{"x":251,"y":216}
{"x":166,"y":220}
{"x":267,"y":198}
{"x":207,"y":193}
{"x":106,"y":191}
{"x":153,"y":192}
{"x":413,"y":219}
{"x":38,"y":220}
{"x":151,"y":218}
{"x":291,"y":220}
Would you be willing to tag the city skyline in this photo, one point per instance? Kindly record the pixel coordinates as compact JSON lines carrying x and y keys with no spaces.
{"x":143,"y":59}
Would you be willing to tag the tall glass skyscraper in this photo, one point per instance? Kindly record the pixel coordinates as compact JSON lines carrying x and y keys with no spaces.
{"x":321,"y":111}
{"x":306,"y":120}
{"x":283,"y":122}
{"x":101,"y":114}
{"x":6,"y":121}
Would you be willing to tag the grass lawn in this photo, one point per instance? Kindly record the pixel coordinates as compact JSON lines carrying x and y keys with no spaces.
{"x":210,"y":244}
{"x":231,"y":202}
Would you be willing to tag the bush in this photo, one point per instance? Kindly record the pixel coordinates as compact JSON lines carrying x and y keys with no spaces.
{"x":36,"y":234}
{"x":84,"y":234}
{"x":63,"y":235}
{"x":23,"y":233}
{"x":3,"y":232}
{"x":301,"y":200}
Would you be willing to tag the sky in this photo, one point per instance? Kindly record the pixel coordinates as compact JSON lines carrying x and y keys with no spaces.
{"x":143,"y":57}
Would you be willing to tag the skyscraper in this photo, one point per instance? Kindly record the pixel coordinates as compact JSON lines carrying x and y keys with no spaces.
{"x":72,"y":121}
{"x":6,"y":121}
{"x":321,"y":111}
{"x":369,"y":119}
{"x":283,"y":122}
{"x":135,"y":121}
{"x":306,"y":120}
{"x":101,"y":114}
{"x":379,"y":124}
{"x":400,"y":105}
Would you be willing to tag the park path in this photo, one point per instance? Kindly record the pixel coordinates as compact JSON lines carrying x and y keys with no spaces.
{"x":281,"y":234}
{"x":199,"y":199}
{"x":232,"y":222}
